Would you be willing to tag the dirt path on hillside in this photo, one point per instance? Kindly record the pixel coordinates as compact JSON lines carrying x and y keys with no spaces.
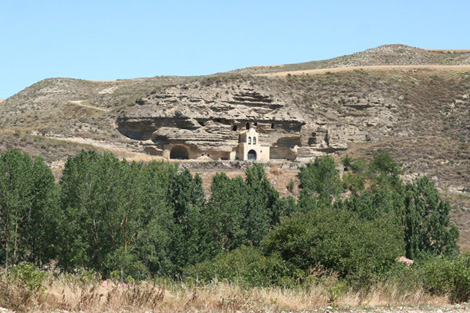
{"x":373,"y":67}
{"x":121,"y":151}
{"x":81,"y":104}
{"x":449,"y":50}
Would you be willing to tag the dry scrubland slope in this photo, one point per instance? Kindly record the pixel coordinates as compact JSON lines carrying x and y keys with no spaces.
{"x":420,"y":114}
{"x":381,"y":56}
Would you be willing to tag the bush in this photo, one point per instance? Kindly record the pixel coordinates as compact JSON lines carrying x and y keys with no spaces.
{"x":29,"y":276}
{"x":449,"y":277}
{"x":354,"y":183}
{"x":357,"y":249}
{"x":359,"y":165}
{"x":385,"y":171}
{"x":347,"y":160}
{"x":22,"y":286}
{"x":245,"y":265}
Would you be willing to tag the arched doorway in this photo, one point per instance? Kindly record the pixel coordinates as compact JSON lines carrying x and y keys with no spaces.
{"x":179,"y":153}
{"x":252,"y":155}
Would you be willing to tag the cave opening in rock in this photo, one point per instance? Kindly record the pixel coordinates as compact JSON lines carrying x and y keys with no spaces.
{"x":179,"y":153}
{"x":272,"y":126}
{"x":252,"y":155}
{"x":235,"y":128}
{"x":247,"y":125}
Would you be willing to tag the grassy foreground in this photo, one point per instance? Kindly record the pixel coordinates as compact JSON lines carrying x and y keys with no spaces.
{"x":74,"y":293}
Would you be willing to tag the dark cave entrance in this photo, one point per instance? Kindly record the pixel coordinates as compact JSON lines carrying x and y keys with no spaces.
{"x":179,"y":153}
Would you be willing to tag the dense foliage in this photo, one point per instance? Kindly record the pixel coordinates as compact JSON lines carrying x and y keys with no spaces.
{"x":124,"y":219}
{"x":245,"y":265}
{"x":27,"y":200}
{"x":115,"y":215}
{"x":354,"y":248}
{"x":448,"y":277}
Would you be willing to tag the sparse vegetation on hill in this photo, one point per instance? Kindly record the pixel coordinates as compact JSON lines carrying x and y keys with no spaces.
{"x":383,"y":55}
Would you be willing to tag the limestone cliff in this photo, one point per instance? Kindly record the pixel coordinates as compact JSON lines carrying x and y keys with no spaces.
{"x":209,"y":118}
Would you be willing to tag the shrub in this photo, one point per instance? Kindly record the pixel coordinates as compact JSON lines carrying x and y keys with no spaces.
{"x":357,"y":249}
{"x":449,"y":277}
{"x":245,"y":265}
{"x":354,"y":183}
{"x":347,"y":160}
{"x":291,"y":186}
{"x":385,"y":171}
{"x":29,"y":276}
{"x":358,"y":165}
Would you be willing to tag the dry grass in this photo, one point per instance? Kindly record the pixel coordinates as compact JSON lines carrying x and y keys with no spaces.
{"x":71,"y":295}
{"x":371,"y":67}
{"x":275,"y":170}
{"x":449,"y":50}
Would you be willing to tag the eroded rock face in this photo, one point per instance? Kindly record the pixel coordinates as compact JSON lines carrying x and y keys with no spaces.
{"x":207,"y":121}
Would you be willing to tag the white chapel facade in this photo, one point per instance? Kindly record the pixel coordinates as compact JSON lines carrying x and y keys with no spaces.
{"x":249,"y":147}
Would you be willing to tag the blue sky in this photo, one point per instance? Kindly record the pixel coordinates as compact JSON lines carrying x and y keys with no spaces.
{"x":107,"y":40}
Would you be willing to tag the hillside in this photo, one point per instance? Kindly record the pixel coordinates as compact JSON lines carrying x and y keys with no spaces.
{"x":383,"y":55}
{"x":419,"y":114}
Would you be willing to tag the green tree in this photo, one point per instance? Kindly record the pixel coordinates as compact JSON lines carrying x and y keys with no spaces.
{"x":39,"y":230}
{"x":26,"y":186}
{"x":354,"y":182}
{"x":224,"y":215}
{"x":155,"y":242}
{"x":116,"y":215}
{"x":371,"y":206}
{"x":241,"y":212}
{"x":320,"y":179}
{"x":186,"y":195}
{"x":262,"y":209}
{"x":427,"y":226}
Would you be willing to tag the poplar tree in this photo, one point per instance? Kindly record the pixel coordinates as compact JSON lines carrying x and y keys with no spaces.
{"x":262,"y":209}
{"x":26,"y":209}
{"x":187,"y":198}
{"x":116,"y":216}
{"x":224,"y":215}
{"x":428,"y":229}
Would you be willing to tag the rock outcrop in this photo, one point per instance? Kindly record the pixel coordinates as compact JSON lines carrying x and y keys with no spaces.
{"x":208,"y":121}
{"x":207,"y":117}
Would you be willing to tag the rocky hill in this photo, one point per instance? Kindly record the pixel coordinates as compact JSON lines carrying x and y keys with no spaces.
{"x":420,"y":115}
{"x":380,"y":56}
